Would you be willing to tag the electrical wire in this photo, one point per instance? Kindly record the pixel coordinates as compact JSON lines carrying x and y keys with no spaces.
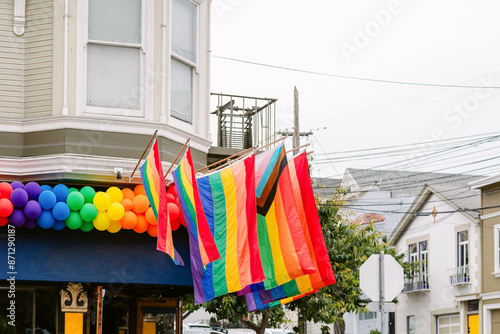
{"x":352,"y":77}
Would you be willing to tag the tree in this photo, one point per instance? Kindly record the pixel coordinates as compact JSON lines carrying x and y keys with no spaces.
{"x":349,"y":245}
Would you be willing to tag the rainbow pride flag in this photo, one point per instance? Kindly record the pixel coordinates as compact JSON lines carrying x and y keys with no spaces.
{"x":201,"y":242}
{"x":323,"y":276}
{"x":284,"y":252}
{"x":229,"y":202}
{"x":154,"y":185}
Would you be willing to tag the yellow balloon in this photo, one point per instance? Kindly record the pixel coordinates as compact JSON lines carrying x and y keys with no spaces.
{"x":114,"y":226}
{"x":115,"y":193}
{"x":102,"y":201}
{"x":116,"y":211}
{"x":102,"y":222}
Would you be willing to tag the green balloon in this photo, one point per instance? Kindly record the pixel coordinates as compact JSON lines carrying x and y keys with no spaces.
{"x":88,"y":212}
{"x":87,"y":226}
{"x":75,"y":200}
{"x":88,"y":193}
{"x":72,"y":189}
{"x":74,"y":221}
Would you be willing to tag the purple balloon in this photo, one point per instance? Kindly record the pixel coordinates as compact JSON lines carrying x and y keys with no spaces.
{"x":19,"y":197}
{"x":30,"y":223}
{"x":17,"y":218}
{"x":33,"y":189}
{"x":32,"y":209}
{"x":17,"y":184}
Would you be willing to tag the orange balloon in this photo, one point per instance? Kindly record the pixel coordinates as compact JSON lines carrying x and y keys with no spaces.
{"x":150,"y":216}
{"x":129,"y":220}
{"x":173,"y":211}
{"x":175,"y":224}
{"x":153,"y":230}
{"x":140,"y":204}
{"x":142,"y":224}
{"x":139,"y":190}
{"x":128,"y":193}
{"x":127,"y":204}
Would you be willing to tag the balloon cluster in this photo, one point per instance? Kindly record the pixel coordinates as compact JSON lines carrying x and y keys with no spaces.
{"x":85,"y":209}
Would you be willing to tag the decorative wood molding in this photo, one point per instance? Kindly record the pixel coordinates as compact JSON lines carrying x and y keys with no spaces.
{"x":74,"y":298}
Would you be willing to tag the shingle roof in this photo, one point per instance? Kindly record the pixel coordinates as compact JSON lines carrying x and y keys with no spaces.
{"x":407,"y":183}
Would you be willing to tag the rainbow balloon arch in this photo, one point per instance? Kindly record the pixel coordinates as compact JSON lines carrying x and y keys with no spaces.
{"x":30,"y":205}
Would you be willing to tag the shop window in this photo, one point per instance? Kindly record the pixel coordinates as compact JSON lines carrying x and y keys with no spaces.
{"x":34,"y":311}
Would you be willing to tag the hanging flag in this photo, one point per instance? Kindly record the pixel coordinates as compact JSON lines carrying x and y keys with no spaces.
{"x":229,"y":202}
{"x":283,"y":248}
{"x":154,"y":185}
{"x":201,"y":241}
{"x":306,"y":205}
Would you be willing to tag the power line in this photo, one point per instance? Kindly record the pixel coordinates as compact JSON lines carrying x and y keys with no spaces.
{"x":353,"y":78}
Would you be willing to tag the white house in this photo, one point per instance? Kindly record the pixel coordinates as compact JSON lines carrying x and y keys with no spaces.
{"x":442,"y":234}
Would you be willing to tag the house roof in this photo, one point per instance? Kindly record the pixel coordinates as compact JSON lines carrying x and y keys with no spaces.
{"x":462,"y":199}
{"x":402,"y":182}
{"x":324,"y":186}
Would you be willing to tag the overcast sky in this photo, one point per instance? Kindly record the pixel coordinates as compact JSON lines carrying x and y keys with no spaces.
{"x":430,"y":42}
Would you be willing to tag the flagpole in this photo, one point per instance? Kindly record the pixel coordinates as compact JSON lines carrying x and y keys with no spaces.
{"x":298,"y":148}
{"x":229,"y":162}
{"x":218,"y":162}
{"x":173,"y":162}
{"x":142,"y":156}
{"x":274,"y":142}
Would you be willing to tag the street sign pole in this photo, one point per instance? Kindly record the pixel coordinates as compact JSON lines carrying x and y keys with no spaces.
{"x":382,"y":293}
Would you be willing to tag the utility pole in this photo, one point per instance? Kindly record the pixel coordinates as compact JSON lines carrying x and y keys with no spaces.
{"x":296,"y":138}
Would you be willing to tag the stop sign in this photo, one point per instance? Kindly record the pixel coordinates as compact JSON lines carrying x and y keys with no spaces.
{"x":369,"y":277}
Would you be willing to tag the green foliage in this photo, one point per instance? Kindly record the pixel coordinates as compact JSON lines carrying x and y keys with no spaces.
{"x":349,"y":246}
{"x":375,"y":331}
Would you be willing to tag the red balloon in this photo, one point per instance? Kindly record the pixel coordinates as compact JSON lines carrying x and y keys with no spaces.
{"x":170,"y":198}
{"x":3,"y":221}
{"x":181,"y":219}
{"x":6,"y":207}
{"x":175,"y":224}
{"x":171,"y":190}
{"x":173,"y":211}
{"x":5,"y":190}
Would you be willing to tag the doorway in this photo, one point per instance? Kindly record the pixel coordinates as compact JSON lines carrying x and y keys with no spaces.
{"x":473,"y":323}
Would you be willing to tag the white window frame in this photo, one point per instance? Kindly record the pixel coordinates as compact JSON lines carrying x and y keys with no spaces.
{"x":424,"y":259}
{"x":450,"y":325}
{"x":461,"y":262}
{"x":496,"y":249}
{"x":145,"y":110}
{"x":195,"y":72}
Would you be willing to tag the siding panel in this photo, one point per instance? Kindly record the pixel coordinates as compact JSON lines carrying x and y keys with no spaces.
{"x":11,"y":64}
{"x":38,"y":58}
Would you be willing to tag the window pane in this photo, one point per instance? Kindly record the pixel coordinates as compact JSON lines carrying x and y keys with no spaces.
{"x":115,"y":20}
{"x":181,"y":104}
{"x":23,"y":312}
{"x":184,"y":29}
{"x":46,"y":309}
{"x":108,"y":83}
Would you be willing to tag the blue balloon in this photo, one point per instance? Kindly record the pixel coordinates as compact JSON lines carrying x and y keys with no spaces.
{"x":47,"y":199}
{"x":59,"y":225}
{"x":61,"y":192}
{"x":46,"y":220}
{"x":46,"y":187}
{"x":61,"y":211}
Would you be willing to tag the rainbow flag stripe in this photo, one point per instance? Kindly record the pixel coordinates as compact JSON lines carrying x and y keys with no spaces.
{"x":202,"y":244}
{"x":229,"y":202}
{"x":154,"y":185}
